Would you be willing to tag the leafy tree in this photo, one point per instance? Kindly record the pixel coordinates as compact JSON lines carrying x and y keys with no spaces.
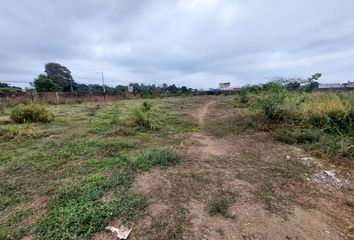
{"x":184,"y":89}
{"x":43,"y":84}
{"x":121,"y":88}
{"x":164,"y":86}
{"x":312,"y":83}
{"x":172,"y":88}
{"x":61,"y":75}
{"x":293,"y":86}
{"x":315,"y":77}
{"x":95,"y":87}
{"x":82,"y":87}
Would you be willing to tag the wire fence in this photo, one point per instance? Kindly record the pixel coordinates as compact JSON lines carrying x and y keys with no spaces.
{"x":63,"y":97}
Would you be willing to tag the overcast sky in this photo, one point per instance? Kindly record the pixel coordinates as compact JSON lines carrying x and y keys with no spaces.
{"x":197,"y":43}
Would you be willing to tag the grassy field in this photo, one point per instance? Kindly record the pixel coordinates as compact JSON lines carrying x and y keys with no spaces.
{"x":66,"y":178}
{"x":178,"y":168}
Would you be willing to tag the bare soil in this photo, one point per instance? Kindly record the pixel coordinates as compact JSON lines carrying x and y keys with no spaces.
{"x":238,"y":165}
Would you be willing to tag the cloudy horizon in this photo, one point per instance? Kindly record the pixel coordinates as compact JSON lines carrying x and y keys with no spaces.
{"x":197,"y":43}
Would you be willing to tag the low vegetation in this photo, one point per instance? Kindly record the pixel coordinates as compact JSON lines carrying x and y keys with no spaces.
{"x":142,"y":115}
{"x":30,"y":113}
{"x":76,"y":212}
{"x":323,"y":121}
{"x":65,"y":179}
{"x":219,"y":204}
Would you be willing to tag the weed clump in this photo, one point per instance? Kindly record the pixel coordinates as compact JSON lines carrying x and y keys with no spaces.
{"x":30,"y":113}
{"x":146,"y":106}
{"x":141,"y":118}
{"x":219,"y":204}
{"x":142,"y":115}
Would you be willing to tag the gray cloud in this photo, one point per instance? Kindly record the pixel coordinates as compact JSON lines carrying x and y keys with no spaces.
{"x":192,"y":42}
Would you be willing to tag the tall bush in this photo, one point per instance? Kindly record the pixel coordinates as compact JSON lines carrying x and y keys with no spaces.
{"x":30,"y":113}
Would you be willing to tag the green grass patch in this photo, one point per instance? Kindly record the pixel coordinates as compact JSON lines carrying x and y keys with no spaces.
{"x":75,"y":160}
{"x":154,"y":157}
{"x":78,"y":211}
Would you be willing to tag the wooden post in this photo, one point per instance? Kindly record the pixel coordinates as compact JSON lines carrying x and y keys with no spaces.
{"x":57,"y":96}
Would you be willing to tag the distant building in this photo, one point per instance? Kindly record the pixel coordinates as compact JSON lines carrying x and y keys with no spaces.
{"x":336,"y":86}
{"x":224,"y":86}
{"x":330,"y":85}
{"x":349,"y":85}
{"x":130,"y":88}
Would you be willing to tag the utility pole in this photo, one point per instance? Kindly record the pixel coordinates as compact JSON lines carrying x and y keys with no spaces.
{"x":104,"y":87}
{"x":71,"y":85}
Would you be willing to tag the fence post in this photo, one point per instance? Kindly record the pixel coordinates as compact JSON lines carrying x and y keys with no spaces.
{"x":57,"y":96}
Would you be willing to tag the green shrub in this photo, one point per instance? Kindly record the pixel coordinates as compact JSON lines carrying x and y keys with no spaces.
{"x":242,"y":98}
{"x":142,"y":115}
{"x":279,"y":105}
{"x":30,"y":113}
{"x":141,"y":118}
{"x":146,"y":106}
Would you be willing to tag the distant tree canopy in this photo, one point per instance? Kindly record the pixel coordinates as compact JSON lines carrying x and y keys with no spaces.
{"x":312,"y":82}
{"x":56,"y":78}
{"x":44,"y":84}
{"x":60,"y":75}
{"x":153,"y":89}
{"x":7,"y":88}
{"x":294,"y":84}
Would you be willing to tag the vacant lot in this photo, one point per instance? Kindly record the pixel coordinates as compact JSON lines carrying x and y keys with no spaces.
{"x":176,"y":168}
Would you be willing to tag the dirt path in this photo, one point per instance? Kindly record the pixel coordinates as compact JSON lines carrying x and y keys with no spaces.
{"x":202,"y":111}
{"x":265,"y":202}
{"x":253,"y":221}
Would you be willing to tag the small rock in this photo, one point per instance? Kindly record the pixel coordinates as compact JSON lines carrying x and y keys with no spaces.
{"x":308,"y":161}
{"x":330,"y":173}
{"x":329,"y":177}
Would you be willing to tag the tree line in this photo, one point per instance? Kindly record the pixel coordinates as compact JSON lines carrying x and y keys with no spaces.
{"x":299,"y":84}
{"x":7,"y":88}
{"x":58,"y":78}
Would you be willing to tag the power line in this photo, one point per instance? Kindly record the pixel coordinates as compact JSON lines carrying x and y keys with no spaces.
{"x":87,"y":78}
